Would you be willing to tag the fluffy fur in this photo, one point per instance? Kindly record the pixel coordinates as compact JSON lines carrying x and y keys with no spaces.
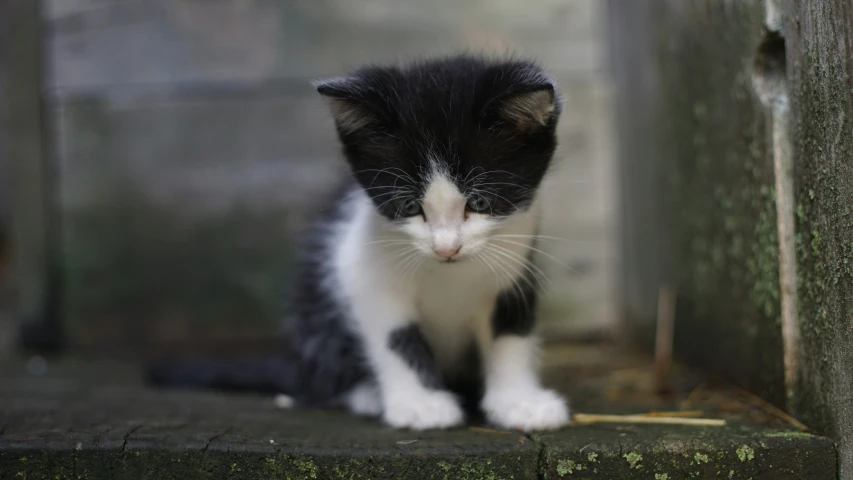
{"x":417,"y":289}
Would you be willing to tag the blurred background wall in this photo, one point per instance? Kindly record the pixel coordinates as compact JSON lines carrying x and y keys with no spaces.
{"x":7,"y":319}
{"x":191,"y":148}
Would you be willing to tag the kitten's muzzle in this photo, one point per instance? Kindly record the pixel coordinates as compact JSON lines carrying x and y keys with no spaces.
{"x":447,"y":253}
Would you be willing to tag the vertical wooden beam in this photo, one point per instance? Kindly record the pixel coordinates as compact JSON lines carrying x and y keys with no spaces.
{"x":32,"y":178}
{"x":819,"y":39}
{"x":7,"y":322}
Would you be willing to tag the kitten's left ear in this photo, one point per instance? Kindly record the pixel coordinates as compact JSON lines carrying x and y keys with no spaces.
{"x":530,"y":109}
{"x":344,"y":96}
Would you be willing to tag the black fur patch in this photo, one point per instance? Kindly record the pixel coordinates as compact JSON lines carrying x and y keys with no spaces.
{"x":515,"y":311}
{"x":260,"y":375}
{"x":466,"y":379}
{"x":331,"y":356}
{"x":409,"y":343}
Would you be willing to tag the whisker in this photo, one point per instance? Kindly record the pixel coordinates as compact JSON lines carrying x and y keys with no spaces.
{"x":495,"y":194}
{"x":500,"y":271}
{"x":523,"y":189}
{"x":538,"y":274}
{"x":396,"y":187}
{"x":485,"y":261}
{"x":544,"y":237}
{"x":399,"y":256}
{"x":540,"y":277}
{"x":414,"y":269}
{"x":411,"y":266}
{"x":402,"y":265}
{"x":509,"y":276}
{"x":542,"y":252}
{"x":388,"y":242}
{"x":406,"y":177}
{"x":396,"y":197}
{"x":517,"y":288}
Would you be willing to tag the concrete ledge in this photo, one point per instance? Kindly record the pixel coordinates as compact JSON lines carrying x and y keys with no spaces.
{"x":675,"y":453}
{"x":93,"y":421}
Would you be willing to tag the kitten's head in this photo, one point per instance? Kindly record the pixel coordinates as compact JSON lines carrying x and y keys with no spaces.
{"x":447,"y":149}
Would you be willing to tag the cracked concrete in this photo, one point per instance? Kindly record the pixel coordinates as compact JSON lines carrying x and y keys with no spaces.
{"x":109,"y":426}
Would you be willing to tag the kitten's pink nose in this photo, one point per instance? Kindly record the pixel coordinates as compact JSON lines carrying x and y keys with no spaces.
{"x":447,"y":252}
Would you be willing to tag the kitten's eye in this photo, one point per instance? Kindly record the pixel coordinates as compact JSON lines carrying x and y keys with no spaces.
{"x":478,"y":204}
{"x":410,"y":208}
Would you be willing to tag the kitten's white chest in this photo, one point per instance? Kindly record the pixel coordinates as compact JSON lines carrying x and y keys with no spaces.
{"x":453,"y":302}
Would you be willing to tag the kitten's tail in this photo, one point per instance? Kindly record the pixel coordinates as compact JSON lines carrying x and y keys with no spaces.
{"x":260,"y":375}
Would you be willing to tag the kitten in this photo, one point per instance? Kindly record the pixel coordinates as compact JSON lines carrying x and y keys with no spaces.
{"x":417,"y":291}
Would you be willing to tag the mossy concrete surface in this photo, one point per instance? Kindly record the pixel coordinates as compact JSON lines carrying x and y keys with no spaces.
{"x":92,"y":421}
{"x":676,"y":453}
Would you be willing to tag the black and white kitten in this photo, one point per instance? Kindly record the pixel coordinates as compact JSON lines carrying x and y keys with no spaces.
{"x":417,"y":290}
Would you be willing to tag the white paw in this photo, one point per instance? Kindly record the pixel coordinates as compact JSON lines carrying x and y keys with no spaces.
{"x":526,"y":410}
{"x":284,"y":401}
{"x":427,"y":410}
{"x":364,"y":400}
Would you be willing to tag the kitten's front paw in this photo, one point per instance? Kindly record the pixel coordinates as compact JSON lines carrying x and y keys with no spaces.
{"x":427,"y":410}
{"x":526,"y":410}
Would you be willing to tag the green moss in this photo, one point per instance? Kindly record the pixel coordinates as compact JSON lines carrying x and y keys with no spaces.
{"x":568,"y":467}
{"x":634,"y":459}
{"x":592,"y":457}
{"x":307,"y":467}
{"x":745,"y":453}
{"x":825,"y":226}
{"x":700,"y":458}
{"x":349,"y":470}
{"x":565,"y":467}
{"x":486,"y":469}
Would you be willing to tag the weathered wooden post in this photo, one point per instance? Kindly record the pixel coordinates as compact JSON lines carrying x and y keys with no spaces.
{"x":27,"y":149}
{"x":737,"y":165}
{"x":819,"y":38}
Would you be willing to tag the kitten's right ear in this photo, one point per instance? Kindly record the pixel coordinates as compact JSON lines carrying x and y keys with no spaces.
{"x":344,"y":96}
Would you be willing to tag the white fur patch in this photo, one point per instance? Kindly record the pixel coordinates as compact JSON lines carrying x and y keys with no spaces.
{"x":514,"y":398}
{"x":423,"y":410}
{"x":390,"y":278}
{"x":284,"y":401}
{"x":446,"y":227}
{"x":527,"y":410}
{"x":364,"y":400}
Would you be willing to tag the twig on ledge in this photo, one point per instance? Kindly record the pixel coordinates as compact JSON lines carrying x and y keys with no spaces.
{"x":664,"y":339}
{"x":488,"y":430}
{"x":588,"y":419}
{"x":768,"y":407}
{"x":679,"y":414}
